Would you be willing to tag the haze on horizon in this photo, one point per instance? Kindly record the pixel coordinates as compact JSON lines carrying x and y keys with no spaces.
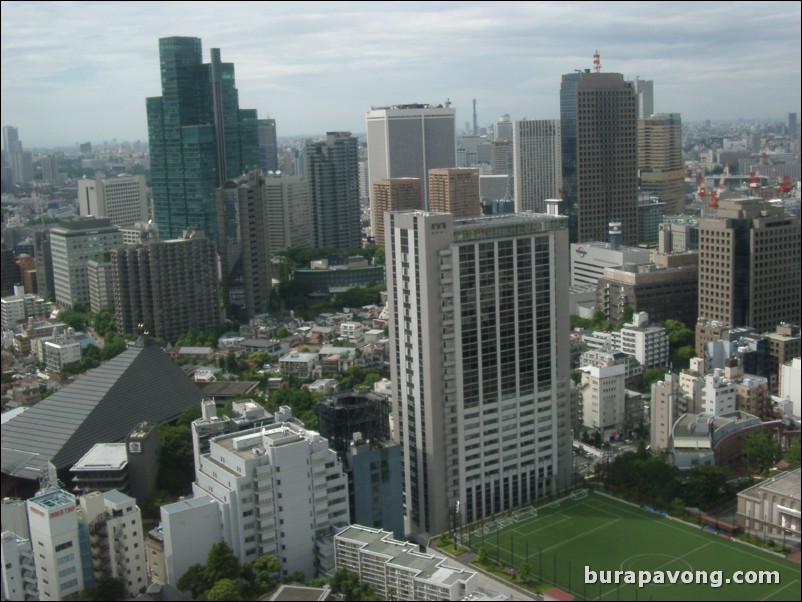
{"x":318,"y":67}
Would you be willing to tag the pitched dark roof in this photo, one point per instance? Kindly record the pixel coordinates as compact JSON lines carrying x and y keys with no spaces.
{"x":141,"y":384}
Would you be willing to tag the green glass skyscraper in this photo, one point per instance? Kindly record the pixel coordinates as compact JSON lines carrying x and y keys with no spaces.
{"x":199,"y":137}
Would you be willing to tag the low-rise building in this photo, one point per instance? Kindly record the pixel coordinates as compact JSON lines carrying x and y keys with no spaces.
{"x":300,"y":364}
{"x":397,"y":570}
{"x":705,"y":439}
{"x":772,"y":509}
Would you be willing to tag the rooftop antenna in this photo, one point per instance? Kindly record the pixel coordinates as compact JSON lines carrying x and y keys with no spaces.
{"x":596,"y":62}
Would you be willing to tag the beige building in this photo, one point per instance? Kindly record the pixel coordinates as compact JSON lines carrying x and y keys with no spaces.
{"x":603,"y":399}
{"x":455,"y":190}
{"x":785,"y":344}
{"x":123,"y":199}
{"x":288,"y":214}
{"x":393,"y":194}
{"x":662,"y":172}
{"x":749,"y":265}
{"x":772,"y":509}
{"x":537,"y":163}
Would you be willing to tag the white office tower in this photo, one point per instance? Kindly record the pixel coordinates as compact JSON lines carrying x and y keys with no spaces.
{"x":480,"y":362}
{"x":537,"y":163}
{"x":53,"y":520}
{"x":406,"y":141}
{"x":279,"y":489}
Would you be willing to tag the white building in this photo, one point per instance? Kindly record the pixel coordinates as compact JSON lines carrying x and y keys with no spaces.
{"x":791,"y":386}
{"x":479,"y":360}
{"x":718,"y":395}
{"x":603,"y":399}
{"x":537,"y":161}
{"x":123,"y":198}
{"x":72,"y":245}
{"x":648,"y":344}
{"x":397,"y":570}
{"x":190,"y":528}
{"x":278,"y":489}
{"x":21,"y":306}
{"x":18,"y":568}
{"x":406,"y":141}
{"x":289,"y":221}
{"x":772,"y":509}
{"x":298,"y":364}
{"x":590,"y":259}
{"x":53,"y":519}
{"x":60,"y":351}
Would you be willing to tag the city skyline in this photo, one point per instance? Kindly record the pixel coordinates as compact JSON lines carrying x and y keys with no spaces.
{"x":318,"y":68}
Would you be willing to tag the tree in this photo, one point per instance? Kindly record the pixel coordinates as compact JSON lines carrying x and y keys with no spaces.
{"x":221,"y":563}
{"x":761,"y":451}
{"x":792,"y":455}
{"x":525,"y":572}
{"x":194,"y":581}
{"x":225,"y":590}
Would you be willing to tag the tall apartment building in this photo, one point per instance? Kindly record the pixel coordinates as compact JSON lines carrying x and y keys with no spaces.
{"x":72,"y":245}
{"x":289,"y":218}
{"x":479,"y":361}
{"x":18,"y":569}
{"x":749,"y":265}
{"x":332,"y":169}
{"x":406,"y":141}
{"x":277,"y":489}
{"x":393,"y":194}
{"x":600,"y":160}
{"x":268,"y":145}
{"x":537,"y":163}
{"x":662,"y":171}
{"x":603,"y":399}
{"x":665,"y":409}
{"x":198,"y":135}
{"x":455,"y":190}
{"x":243,"y":245}
{"x":164,"y":288}
{"x":123,"y":199}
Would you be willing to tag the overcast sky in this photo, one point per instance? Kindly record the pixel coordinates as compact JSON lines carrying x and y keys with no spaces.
{"x":80,"y":71}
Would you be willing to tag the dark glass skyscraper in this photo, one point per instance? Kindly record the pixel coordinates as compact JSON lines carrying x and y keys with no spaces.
{"x":199,"y":137}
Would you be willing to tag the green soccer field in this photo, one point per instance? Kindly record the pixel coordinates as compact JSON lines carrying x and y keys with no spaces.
{"x":605,"y":534}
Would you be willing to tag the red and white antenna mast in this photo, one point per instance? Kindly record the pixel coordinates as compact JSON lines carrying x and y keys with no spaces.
{"x":596,"y":62}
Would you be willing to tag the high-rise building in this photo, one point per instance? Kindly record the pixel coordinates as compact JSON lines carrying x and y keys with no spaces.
{"x":455,"y":190}
{"x":72,"y":245}
{"x":11,"y":141}
{"x":243,"y":245}
{"x":123,"y":199}
{"x":480,"y":362}
{"x":662,"y":171}
{"x":164,"y":288}
{"x":332,"y":168}
{"x":749,"y":265}
{"x":607,"y":157}
{"x":536,"y":163}
{"x":644,"y":88}
{"x":289,"y":219}
{"x":268,"y":145}
{"x":568,"y":144}
{"x":393,"y":194}
{"x":406,"y":141}
{"x":199,"y":137}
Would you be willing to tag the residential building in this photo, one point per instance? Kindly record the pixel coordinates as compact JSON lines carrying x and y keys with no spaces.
{"x":288,"y":212}
{"x":244,"y":245}
{"x":299,"y":364}
{"x":333,"y":178}
{"x":771,"y":509}
{"x":455,"y":190}
{"x":393,"y":194}
{"x":397,"y":570}
{"x":791,"y":387}
{"x":198,"y":137}
{"x":603,"y":177}
{"x":101,"y":290}
{"x":662,"y":171}
{"x":749,"y":265}
{"x":60,"y":350}
{"x":279,"y":489}
{"x":123,"y":199}
{"x":602,"y":391}
{"x":537,"y":163}
{"x":406,"y":141}
{"x":665,"y":409}
{"x":718,"y":395}
{"x":268,"y":145}
{"x":647,"y":344}
{"x":164,"y":288}
{"x":72,"y":245}
{"x":18,"y":568}
{"x":20,"y":306}
{"x":479,"y":367}
{"x":785,"y":344}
